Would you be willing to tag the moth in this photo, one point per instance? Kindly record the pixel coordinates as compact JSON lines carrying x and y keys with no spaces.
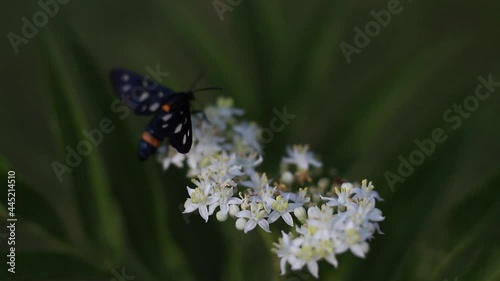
{"x":170,"y":111}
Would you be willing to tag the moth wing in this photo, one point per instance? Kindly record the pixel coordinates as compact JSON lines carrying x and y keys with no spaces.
{"x":176,"y":125}
{"x":141,"y":94}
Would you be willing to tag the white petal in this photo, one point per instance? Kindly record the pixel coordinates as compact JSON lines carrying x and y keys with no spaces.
{"x":264,"y":225}
{"x":376,"y":215}
{"x":286,"y":238}
{"x":234,"y":200}
{"x":333,"y":203}
{"x":244,"y":214}
{"x":211,"y":200}
{"x":297,"y":264}
{"x":332,"y":260}
{"x":212,"y":208}
{"x":189,"y":208}
{"x":267,"y":207}
{"x":377,"y":227}
{"x":315,"y":162}
{"x":326,"y":198}
{"x":204,"y":213}
{"x":273,"y":216}
{"x":224,"y":208}
{"x":190,"y":190}
{"x":283,"y":266}
{"x":313,"y":268}
{"x":288,"y":219}
{"x":235,"y":171}
{"x":166,"y":164}
{"x":357,"y":250}
{"x":340,"y":248}
{"x":251,"y":224}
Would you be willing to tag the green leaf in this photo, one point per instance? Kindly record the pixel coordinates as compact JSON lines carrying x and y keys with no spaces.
{"x":265,"y":37}
{"x":52,"y":266}
{"x":319,"y":44}
{"x":32,"y":206}
{"x":135,"y":188}
{"x":488,"y":196}
{"x":208,"y":51}
{"x":474,"y":231}
{"x":396,"y":89}
{"x":87,"y":173}
{"x":409,"y":208}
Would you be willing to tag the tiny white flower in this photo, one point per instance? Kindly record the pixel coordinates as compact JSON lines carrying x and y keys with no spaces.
{"x":354,"y":241}
{"x":172,"y":157}
{"x":257,"y":183}
{"x":199,"y":201}
{"x":221,"y":114}
{"x":281,"y":209}
{"x":224,"y":156}
{"x":256,"y":216}
{"x":286,"y":249}
{"x":323,"y":216}
{"x":299,"y":199}
{"x":249,"y":161}
{"x":325,"y":249}
{"x":343,"y":196}
{"x":224,"y":168}
{"x":366,"y":191}
{"x":248,"y":134}
{"x":306,"y":255}
{"x":224,"y":199}
{"x":301,"y":156}
{"x":265,"y":196}
{"x":320,"y":223}
{"x":367,"y":210}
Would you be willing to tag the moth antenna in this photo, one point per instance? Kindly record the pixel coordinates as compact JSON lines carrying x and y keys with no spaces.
{"x":196,"y":80}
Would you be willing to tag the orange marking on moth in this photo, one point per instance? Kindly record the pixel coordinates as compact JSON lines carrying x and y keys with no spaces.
{"x":166,"y":107}
{"x":147,"y":137}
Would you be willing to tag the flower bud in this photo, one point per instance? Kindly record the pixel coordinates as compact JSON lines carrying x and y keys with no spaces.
{"x":221,"y":216}
{"x":233,"y":210}
{"x":287,"y":178}
{"x":240,"y":223}
{"x":300,"y":213}
{"x":323,"y":184}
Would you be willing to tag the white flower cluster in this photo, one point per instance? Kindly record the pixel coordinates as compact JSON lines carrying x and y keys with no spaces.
{"x":326,"y":218}
{"x":332,"y":226}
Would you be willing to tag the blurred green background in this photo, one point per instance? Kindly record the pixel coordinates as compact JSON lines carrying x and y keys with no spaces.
{"x":114,"y":213}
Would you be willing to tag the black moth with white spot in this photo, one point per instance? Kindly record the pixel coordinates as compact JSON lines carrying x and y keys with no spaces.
{"x":172,"y":112}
